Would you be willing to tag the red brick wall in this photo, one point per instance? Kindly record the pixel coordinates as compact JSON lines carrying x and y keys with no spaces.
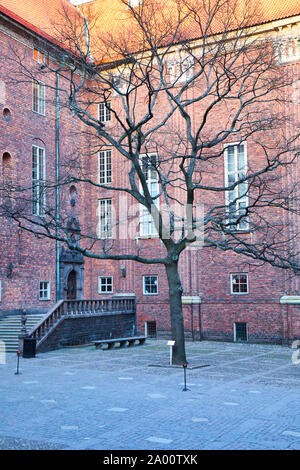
{"x":204,"y":272}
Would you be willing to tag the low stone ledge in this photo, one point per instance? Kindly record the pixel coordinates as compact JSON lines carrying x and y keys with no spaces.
{"x":290,"y":299}
{"x":191,"y":299}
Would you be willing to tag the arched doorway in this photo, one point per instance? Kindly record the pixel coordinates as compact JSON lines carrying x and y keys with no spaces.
{"x":72,"y":285}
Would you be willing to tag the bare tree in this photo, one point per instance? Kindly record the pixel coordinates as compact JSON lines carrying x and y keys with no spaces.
{"x":187,"y":87}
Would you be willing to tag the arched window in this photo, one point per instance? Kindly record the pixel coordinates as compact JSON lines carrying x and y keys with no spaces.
{"x":7,"y":167}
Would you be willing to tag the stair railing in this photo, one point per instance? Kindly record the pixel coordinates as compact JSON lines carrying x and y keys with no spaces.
{"x":66,"y":308}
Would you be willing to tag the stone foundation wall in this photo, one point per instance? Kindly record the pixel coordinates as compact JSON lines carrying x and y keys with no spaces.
{"x":84,"y":329}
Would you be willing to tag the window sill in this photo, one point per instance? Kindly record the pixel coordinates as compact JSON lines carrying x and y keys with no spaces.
{"x":145,"y":237}
{"x":239,"y":293}
{"x":39,"y":114}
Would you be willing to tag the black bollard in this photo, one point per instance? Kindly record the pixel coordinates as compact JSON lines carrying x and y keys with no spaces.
{"x":184,"y":371}
{"x":18,"y":362}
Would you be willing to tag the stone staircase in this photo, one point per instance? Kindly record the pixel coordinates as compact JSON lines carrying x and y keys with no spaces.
{"x":10,"y":328}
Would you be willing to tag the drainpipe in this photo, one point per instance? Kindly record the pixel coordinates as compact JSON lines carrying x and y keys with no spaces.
{"x":192,"y":306}
{"x":57,"y":148}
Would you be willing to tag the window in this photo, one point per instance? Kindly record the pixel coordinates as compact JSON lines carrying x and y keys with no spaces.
{"x":180,"y":69}
{"x":105,"y":284}
{"x":150,"y":329}
{"x":38,"y":56}
{"x":185,"y":69}
{"x":134,"y":3}
{"x":149,"y":167}
{"x":150,"y":285}
{"x":236,"y":199}
{"x":44,"y":290}
{"x":287,"y":50}
{"x":105,"y":218}
{"x":105,"y":171}
{"x":239,"y":284}
{"x":240,"y":332}
{"x":38,"y":180}
{"x":38,"y":97}
{"x":104,"y":112}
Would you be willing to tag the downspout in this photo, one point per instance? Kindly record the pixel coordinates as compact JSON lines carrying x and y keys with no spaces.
{"x":192,"y":306}
{"x":57,"y":149}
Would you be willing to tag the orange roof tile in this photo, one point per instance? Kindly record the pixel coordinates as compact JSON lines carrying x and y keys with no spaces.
{"x":110,"y":19}
{"x":38,"y":15}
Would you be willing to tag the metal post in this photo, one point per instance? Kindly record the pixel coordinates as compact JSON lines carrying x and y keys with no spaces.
{"x":18,"y":362}
{"x":184,"y":371}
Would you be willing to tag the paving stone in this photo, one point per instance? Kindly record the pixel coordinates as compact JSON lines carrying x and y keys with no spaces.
{"x":68,"y":399}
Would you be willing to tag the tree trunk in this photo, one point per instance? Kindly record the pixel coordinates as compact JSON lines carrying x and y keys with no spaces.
{"x":177,"y":325}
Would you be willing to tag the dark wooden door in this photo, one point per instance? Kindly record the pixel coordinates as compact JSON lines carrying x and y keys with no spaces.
{"x":71,"y":287}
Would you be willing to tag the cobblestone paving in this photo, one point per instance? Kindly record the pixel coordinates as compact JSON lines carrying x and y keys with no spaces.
{"x":246,"y":397}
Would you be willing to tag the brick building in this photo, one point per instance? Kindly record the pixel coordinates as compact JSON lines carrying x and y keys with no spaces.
{"x":224,"y":298}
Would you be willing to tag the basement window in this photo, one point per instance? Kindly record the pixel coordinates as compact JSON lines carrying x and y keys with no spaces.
{"x":44,"y":290}
{"x":150,"y":329}
{"x":240,"y":332}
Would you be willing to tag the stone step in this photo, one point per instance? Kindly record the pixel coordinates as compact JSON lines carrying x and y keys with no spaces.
{"x":10,"y":329}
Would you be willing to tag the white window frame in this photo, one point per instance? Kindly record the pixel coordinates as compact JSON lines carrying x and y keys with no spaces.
{"x":146,"y":219}
{"x":103,"y":232}
{"x":231,"y":283}
{"x":180,"y":69}
{"x":144,"y":278}
{"x":100,"y":284}
{"x":134,"y":3}
{"x":104,"y":108}
{"x":287,"y":50}
{"x":39,"y":97}
{"x":38,"y":183}
{"x":120,"y":83}
{"x":105,"y":166}
{"x":234,"y":332}
{"x":239,"y":200}
{"x":185,"y":68}
{"x":44,"y":290}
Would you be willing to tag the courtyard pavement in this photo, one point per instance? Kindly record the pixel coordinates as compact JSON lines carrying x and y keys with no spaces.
{"x":239,"y":397}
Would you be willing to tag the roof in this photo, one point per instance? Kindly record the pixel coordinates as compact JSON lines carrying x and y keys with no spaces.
{"x":110,"y":19}
{"x":40,"y":16}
